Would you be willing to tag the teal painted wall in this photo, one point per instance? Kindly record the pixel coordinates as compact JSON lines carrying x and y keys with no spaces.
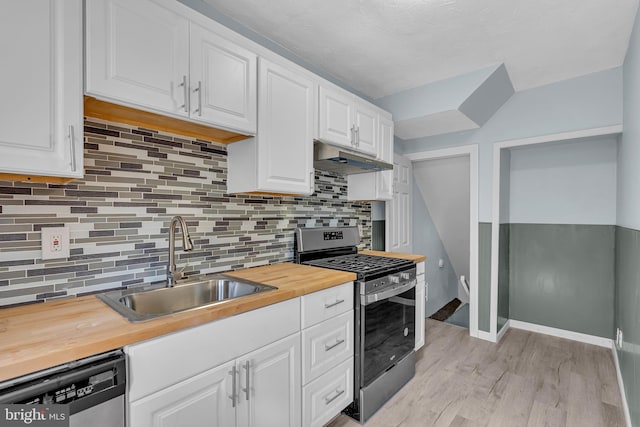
{"x":562,"y":276}
{"x":484,"y":276}
{"x":627,"y":318}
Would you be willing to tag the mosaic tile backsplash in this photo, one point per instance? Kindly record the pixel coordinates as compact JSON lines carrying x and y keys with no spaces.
{"x":118,"y":215}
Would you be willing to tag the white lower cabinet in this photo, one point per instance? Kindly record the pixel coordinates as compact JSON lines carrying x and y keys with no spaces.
{"x":327,"y":354}
{"x":242,"y":370}
{"x":198,"y":401}
{"x":247,"y":370}
{"x":420,"y":305}
{"x":269,"y":389}
{"x":326,"y":396}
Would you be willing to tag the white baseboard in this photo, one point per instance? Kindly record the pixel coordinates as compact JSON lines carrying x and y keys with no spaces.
{"x":487,"y":336}
{"x":623,"y":396}
{"x":561,"y":333}
{"x":504,"y":330}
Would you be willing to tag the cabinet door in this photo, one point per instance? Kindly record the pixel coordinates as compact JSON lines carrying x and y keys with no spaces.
{"x":223,"y":82}
{"x":285,"y":130}
{"x":270,"y":385}
{"x":137,"y":53}
{"x":41,"y":87}
{"x":199,"y":401}
{"x":336,"y":113}
{"x":420,"y":303}
{"x":366,"y":121}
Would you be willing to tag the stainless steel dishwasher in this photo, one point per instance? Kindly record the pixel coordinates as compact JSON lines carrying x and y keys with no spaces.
{"x":92,"y":387}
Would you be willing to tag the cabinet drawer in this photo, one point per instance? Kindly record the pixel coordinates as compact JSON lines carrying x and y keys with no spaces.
{"x":420,"y":268}
{"x":325,"y":345}
{"x":327,"y":303}
{"x":325,"y":397}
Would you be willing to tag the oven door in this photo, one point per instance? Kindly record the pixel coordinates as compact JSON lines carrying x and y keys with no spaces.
{"x":387,"y":330}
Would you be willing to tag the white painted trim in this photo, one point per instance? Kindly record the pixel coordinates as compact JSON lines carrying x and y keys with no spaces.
{"x":486,"y":336}
{"x":495,"y":215}
{"x":504,"y":330}
{"x":563,"y":136}
{"x":623,"y":396}
{"x":442,"y":153}
{"x":495,"y":236}
{"x":561,"y":333}
{"x":470,"y":150}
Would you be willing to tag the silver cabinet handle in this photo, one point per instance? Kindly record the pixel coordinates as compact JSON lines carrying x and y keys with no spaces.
{"x":247,"y":366}
{"x":72,"y":148}
{"x":233,"y":373}
{"x":332,"y":346}
{"x":328,"y":400}
{"x":353,"y":135}
{"x":199,"y":90}
{"x":185,"y":93}
{"x":358,"y":136}
{"x":333,"y":304}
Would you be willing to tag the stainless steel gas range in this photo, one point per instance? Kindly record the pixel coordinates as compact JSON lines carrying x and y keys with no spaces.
{"x":385,"y":300}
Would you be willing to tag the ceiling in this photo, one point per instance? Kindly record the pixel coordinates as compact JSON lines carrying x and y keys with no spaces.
{"x":380,"y":47}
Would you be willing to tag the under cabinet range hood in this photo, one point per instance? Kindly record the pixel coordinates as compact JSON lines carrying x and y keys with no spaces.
{"x":343,"y":161}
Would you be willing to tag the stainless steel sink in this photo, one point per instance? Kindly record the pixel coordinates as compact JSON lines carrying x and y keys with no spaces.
{"x":149,"y":304}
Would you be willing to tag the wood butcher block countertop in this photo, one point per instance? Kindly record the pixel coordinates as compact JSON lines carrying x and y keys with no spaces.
{"x":39,"y":336}
{"x":412,"y":257}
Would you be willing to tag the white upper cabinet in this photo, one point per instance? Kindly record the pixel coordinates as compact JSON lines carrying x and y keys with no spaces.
{"x":137,"y":52}
{"x":223,"y":81}
{"x":376,"y":185}
{"x":41,"y":107}
{"x":346,"y":120}
{"x":280,"y":158}
{"x":366,"y":121}
{"x":336,"y":121}
{"x":148,"y":55}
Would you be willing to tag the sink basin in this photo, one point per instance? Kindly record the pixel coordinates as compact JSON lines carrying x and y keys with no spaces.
{"x":149,"y":304}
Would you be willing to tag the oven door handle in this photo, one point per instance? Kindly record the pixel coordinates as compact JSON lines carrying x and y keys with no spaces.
{"x":371,"y":298}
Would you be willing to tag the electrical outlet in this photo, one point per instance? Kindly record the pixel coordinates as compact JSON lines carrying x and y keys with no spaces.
{"x":55,"y":242}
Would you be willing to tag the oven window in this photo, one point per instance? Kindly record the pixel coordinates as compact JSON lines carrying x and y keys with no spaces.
{"x":389,"y":333}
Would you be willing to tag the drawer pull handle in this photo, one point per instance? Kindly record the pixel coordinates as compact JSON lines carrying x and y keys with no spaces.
{"x":247,"y":366}
{"x":333,"y":304}
{"x":329,"y":347}
{"x":233,"y":373}
{"x":328,"y":400}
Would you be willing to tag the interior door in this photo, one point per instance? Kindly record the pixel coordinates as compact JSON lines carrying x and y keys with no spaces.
{"x":399,"y":208}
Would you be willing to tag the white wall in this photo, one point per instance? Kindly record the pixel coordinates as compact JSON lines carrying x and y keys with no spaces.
{"x":572,"y":182}
{"x":586,"y":102}
{"x":444,"y":186}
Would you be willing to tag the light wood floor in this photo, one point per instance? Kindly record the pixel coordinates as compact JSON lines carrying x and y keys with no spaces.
{"x":527,"y":379}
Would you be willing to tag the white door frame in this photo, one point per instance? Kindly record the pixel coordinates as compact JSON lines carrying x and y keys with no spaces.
{"x":494,"y":334}
{"x":472,"y":152}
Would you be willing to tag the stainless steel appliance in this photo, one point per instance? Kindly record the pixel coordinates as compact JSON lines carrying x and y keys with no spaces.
{"x":343,"y":161}
{"x":384,"y":312}
{"x":93,"y":388}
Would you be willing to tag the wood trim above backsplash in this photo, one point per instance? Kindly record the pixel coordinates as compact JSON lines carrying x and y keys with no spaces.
{"x":104,"y":110}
